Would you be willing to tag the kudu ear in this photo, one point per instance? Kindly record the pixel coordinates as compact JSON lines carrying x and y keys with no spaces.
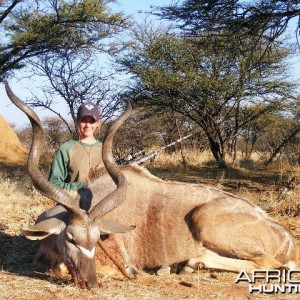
{"x":43,"y":229}
{"x":109,"y":226}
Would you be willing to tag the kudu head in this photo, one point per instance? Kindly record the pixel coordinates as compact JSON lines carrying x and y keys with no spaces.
{"x":79,"y":231}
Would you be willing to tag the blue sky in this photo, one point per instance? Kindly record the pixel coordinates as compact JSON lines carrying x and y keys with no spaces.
{"x":134,"y":6}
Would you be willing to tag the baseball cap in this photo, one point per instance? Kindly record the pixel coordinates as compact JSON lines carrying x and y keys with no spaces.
{"x":88,"y":109}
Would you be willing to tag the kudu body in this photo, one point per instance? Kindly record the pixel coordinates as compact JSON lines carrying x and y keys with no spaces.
{"x":175,"y":223}
{"x":193,"y":223}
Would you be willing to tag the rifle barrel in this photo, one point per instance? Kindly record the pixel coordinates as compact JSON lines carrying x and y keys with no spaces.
{"x":145,"y":158}
{"x":154,"y":153}
{"x":130,"y":158}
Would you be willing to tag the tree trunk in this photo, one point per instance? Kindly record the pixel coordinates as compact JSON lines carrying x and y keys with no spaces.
{"x":283,"y":144}
{"x":218,"y":153}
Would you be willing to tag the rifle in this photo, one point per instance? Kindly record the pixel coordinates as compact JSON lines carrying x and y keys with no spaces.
{"x":131,"y":157}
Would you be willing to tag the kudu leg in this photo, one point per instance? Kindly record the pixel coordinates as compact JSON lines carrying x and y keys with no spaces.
{"x":111,"y":249}
{"x":212,"y":260}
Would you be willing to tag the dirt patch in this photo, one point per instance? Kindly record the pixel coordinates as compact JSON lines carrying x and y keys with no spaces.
{"x":12,"y":151}
{"x":198,"y":286}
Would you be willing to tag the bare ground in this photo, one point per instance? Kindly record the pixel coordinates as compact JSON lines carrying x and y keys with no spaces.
{"x":21,"y":204}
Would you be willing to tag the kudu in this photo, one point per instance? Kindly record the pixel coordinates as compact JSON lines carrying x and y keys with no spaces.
{"x":77,"y":230}
{"x":190,"y":224}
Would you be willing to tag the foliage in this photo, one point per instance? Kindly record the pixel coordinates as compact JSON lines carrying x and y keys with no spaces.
{"x":261,"y":18}
{"x":275,"y":136}
{"x":222,"y":69}
{"x":56,"y":133}
{"x":238,"y":21}
{"x":31,"y":28}
{"x":219,"y":89}
{"x":150,"y":131}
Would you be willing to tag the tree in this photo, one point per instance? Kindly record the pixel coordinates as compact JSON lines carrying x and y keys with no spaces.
{"x":56,"y":133}
{"x":235,"y":19}
{"x":150,"y":131}
{"x":73,"y":78}
{"x":267,"y":16}
{"x":220,"y":89}
{"x":282,"y":131}
{"x":31,"y":28}
{"x":261,"y":20}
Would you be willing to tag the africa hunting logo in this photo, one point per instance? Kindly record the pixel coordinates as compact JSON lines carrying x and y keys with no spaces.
{"x":271,"y":281}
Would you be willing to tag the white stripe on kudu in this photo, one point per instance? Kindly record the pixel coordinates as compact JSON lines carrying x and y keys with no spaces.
{"x":87,"y":252}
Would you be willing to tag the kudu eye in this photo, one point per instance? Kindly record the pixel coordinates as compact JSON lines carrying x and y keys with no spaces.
{"x":104,"y":236}
{"x":70,"y":238}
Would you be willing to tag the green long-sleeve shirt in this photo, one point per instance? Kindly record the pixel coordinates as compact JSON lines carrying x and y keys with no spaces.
{"x":72,"y":162}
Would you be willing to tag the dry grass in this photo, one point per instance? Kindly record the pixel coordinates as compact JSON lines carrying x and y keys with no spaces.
{"x":192,"y":157}
{"x":195,"y":158}
{"x":21,"y":204}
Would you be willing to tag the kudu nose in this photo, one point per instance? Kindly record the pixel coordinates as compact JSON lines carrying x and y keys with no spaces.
{"x":92,"y":285}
